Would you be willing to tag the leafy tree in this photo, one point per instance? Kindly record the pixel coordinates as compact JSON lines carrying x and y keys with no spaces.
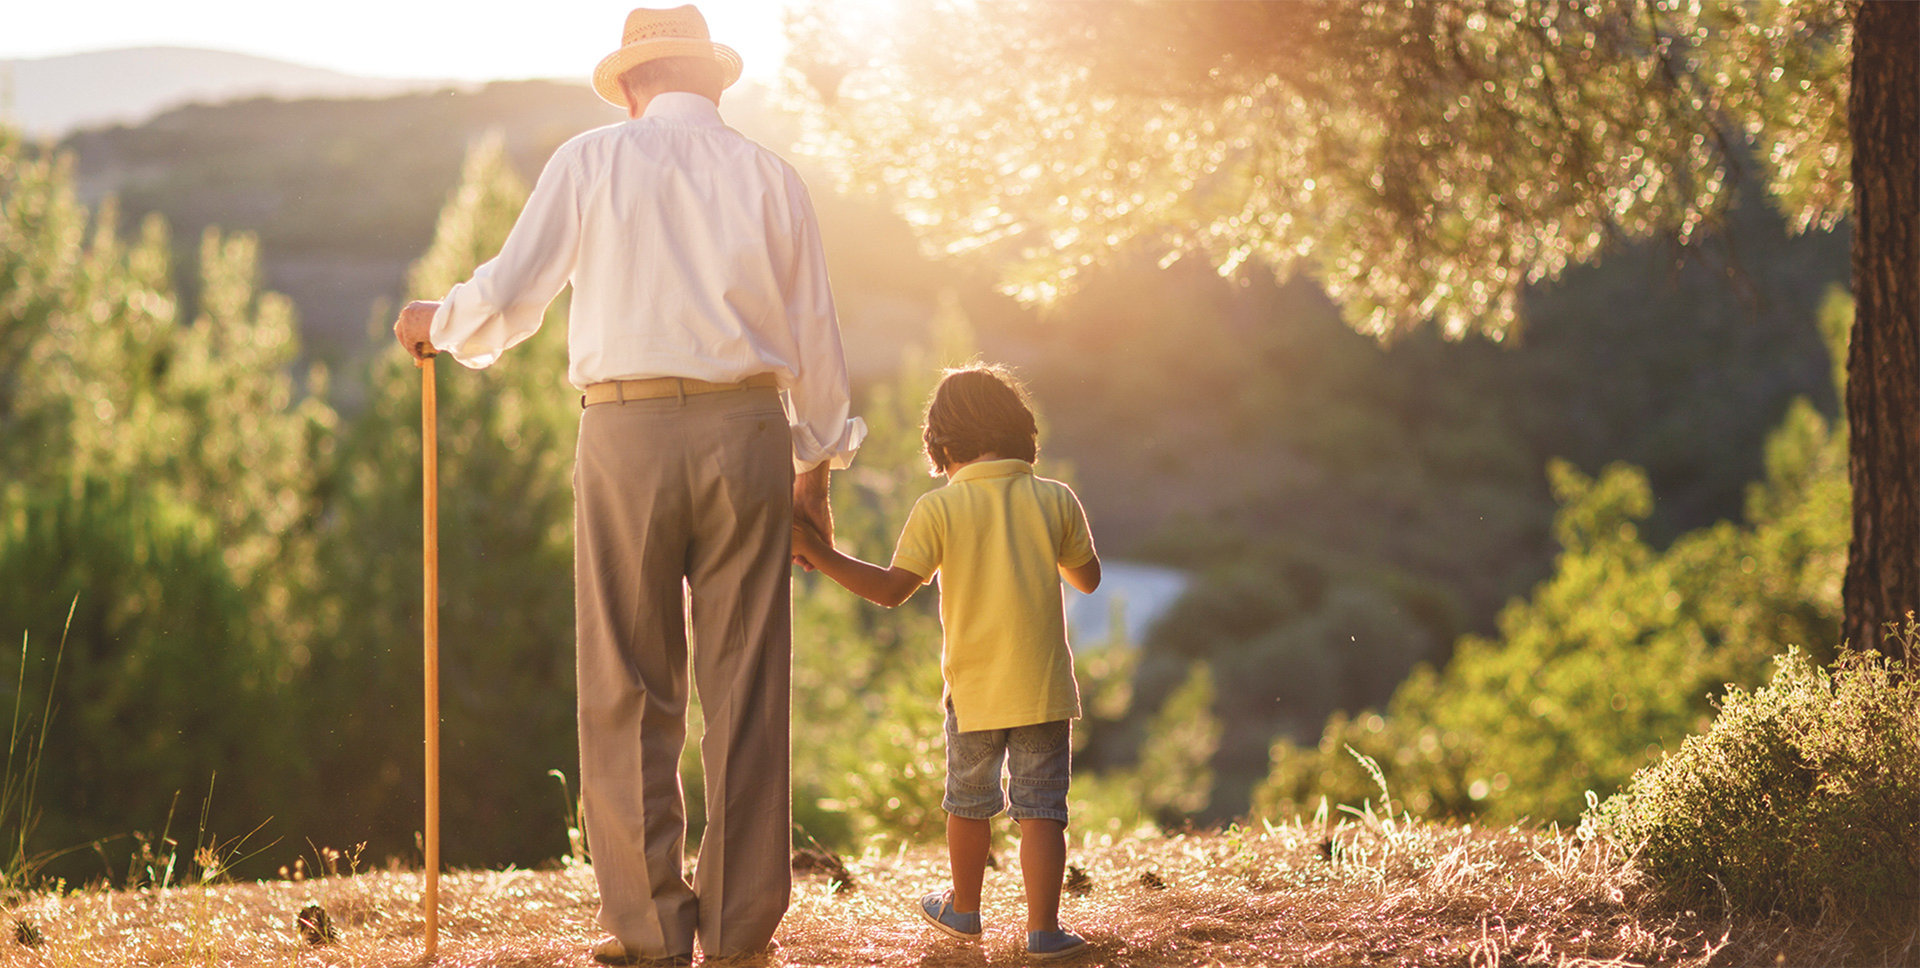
{"x":506,"y":561}
{"x":1424,"y":161}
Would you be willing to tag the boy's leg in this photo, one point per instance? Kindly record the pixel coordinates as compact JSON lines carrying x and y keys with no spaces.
{"x":968,"y":842}
{"x":1043,"y":862}
{"x":973,"y":797}
{"x":1039,"y":767}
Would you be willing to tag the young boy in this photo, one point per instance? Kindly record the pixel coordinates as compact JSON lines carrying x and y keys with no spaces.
{"x":1000,"y":539}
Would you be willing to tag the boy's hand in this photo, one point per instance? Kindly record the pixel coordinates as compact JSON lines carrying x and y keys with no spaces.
{"x":881,"y":586}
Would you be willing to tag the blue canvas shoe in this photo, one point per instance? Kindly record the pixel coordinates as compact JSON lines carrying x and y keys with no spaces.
{"x":939,"y":912}
{"x":1048,"y":945}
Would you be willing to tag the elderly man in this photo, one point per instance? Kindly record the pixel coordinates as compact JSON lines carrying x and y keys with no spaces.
{"x":704,"y":339}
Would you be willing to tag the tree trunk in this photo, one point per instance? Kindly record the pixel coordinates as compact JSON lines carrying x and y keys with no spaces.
{"x":1883,"y":361}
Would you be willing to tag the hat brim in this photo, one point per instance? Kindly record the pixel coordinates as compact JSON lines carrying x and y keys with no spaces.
{"x":606,"y":76}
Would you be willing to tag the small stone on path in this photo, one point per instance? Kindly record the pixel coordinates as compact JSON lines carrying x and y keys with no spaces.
{"x":315,"y":925}
{"x":1078,"y":883}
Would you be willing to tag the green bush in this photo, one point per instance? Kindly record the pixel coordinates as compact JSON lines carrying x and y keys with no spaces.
{"x":1615,"y":656}
{"x":161,"y":685}
{"x":1803,"y":797}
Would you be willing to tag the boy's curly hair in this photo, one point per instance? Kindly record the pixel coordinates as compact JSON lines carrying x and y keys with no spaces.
{"x":979,"y":409}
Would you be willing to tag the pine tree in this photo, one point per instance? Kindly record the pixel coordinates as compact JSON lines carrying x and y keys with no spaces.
{"x":506,"y":611}
{"x":160,"y":479}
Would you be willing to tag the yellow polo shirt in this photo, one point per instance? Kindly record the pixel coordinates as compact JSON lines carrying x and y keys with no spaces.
{"x":997,"y":535}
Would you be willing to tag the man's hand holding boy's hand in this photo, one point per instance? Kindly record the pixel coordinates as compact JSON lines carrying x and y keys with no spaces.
{"x":881,"y":586}
{"x":808,"y":545}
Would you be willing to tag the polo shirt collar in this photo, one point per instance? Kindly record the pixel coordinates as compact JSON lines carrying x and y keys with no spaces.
{"x":683,"y":107}
{"x":984,"y":469}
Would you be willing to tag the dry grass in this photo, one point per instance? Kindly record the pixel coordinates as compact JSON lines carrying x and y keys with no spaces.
{"x":1364,"y":892}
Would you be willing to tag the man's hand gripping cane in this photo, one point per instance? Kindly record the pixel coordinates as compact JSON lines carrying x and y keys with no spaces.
{"x":414,"y":327}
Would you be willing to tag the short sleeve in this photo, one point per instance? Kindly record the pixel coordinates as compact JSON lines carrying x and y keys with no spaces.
{"x":1076,"y":541}
{"x":923,"y":542}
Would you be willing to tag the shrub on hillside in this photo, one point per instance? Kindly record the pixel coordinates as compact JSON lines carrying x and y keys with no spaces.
{"x":1610,"y":658}
{"x":1803,"y":797}
{"x":1615,"y":656}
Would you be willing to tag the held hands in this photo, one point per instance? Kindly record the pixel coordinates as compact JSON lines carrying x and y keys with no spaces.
{"x":813,"y":550}
{"x":811,"y":513}
{"x":413,"y":328}
{"x":809,"y":546}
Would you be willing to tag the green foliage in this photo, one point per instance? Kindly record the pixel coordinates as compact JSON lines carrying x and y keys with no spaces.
{"x":1618,"y":653}
{"x":1801,"y":797}
{"x":1411,"y":472}
{"x":506,"y":550}
{"x":1280,"y":134}
{"x":164,"y":682}
{"x":160,"y":472}
{"x":1291,"y":640}
{"x":142,"y":422}
{"x":1176,"y":778}
{"x":1784,"y":68}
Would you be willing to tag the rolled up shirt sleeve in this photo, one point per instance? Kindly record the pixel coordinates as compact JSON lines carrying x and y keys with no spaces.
{"x":818,"y":396}
{"x":507,"y":297}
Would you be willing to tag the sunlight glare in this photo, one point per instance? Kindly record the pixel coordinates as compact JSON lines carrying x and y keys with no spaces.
{"x":487,"y":40}
{"x":864,"y":26}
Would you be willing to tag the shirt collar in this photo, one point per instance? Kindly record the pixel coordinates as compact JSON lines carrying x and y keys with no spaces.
{"x":684,"y":107}
{"x":983,"y":469}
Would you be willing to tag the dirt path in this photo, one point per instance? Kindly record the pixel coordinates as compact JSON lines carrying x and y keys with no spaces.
{"x":1363,"y":893}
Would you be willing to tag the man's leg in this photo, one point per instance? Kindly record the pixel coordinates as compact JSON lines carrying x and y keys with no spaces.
{"x":740,"y":575}
{"x":629,"y":541}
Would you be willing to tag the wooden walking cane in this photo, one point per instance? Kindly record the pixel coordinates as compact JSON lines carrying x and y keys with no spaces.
{"x":430,"y":519}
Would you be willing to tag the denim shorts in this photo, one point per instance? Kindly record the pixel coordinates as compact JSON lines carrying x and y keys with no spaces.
{"x":1039,"y":761}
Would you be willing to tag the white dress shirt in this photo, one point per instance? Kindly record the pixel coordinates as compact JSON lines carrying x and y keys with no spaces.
{"x":693,"y":252}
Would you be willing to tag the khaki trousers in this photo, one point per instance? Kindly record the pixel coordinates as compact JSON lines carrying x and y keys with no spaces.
{"x":695,"y":490}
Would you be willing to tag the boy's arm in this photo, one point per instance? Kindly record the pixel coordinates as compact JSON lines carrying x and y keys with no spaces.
{"x":881,"y":586}
{"x":1085,"y":577}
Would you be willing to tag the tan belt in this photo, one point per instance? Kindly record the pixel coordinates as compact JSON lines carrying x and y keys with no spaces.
{"x":622,"y":391}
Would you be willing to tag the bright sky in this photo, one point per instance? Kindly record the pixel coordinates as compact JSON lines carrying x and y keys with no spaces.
{"x":475,"y":40}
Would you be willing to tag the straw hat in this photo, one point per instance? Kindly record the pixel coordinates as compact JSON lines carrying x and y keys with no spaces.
{"x":652,"y":34}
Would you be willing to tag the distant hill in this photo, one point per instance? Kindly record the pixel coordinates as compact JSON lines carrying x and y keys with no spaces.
{"x":51,"y":96}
